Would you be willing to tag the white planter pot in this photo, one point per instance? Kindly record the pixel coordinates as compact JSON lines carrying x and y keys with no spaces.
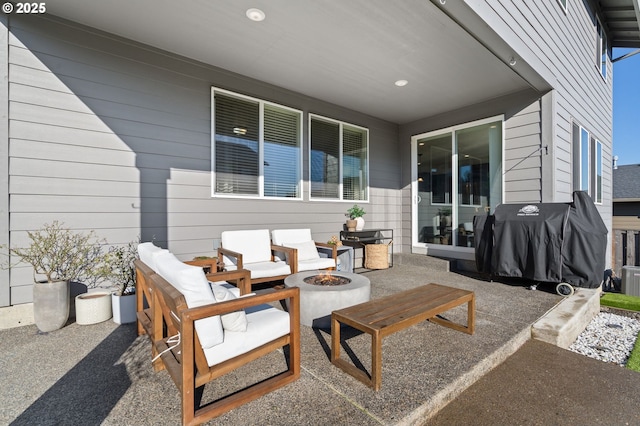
{"x":124,"y":308}
{"x":93,"y":307}
{"x":359,"y":224}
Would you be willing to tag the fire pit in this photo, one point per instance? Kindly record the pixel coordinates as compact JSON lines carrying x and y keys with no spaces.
{"x":327,"y":279}
{"x":321,"y":294}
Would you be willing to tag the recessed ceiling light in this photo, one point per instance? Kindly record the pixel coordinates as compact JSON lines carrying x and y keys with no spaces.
{"x":401,"y":83}
{"x":256,"y":15}
{"x":512,"y":61}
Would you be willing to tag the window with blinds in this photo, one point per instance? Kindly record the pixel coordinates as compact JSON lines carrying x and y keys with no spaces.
{"x":256,"y":147}
{"x":339,"y":164}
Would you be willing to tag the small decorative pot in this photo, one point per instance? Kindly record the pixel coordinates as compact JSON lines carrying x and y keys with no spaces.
{"x":351,"y":224}
{"x":124,"y":308}
{"x":359,"y":224}
{"x":93,"y":307}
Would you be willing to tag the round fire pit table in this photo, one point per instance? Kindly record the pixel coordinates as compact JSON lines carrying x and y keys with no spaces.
{"x":317,"y":301}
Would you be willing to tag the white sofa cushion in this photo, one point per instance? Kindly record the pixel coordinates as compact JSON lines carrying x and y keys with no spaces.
{"x":148,"y":252}
{"x":264,"y":324}
{"x":280,"y":236}
{"x":232,"y":288}
{"x":233,"y":321}
{"x":264,"y":269}
{"x":254,"y":245}
{"x":319,"y":263}
{"x":306,"y":250}
{"x":192,"y":283}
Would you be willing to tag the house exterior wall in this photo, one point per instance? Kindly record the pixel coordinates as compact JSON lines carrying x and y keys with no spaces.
{"x":110,"y":135}
{"x":562,"y":48}
{"x":565,"y":45}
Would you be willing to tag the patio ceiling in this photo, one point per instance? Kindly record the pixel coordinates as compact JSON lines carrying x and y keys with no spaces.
{"x":348,"y":53}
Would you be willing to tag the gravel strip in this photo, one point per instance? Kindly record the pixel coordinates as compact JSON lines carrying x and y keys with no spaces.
{"x":609,"y":337}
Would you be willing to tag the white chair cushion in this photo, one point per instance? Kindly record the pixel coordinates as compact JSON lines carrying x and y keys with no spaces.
{"x":279,"y":236}
{"x":264,"y":324}
{"x":267,"y":269}
{"x":232,"y":288}
{"x":306,"y":250}
{"x":320,"y":263}
{"x":254,"y":245}
{"x":233,"y":321}
{"x":147,"y":252}
{"x":192,"y":283}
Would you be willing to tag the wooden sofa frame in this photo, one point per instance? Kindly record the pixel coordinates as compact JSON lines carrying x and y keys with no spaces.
{"x":150,"y":321}
{"x":186,"y":362}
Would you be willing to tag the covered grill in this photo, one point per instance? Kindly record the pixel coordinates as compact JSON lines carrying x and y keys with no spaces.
{"x":545,"y":242}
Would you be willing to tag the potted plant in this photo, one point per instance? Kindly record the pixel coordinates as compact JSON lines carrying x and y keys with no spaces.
{"x":120,"y":271}
{"x":355,"y":213}
{"x":60,"y":256}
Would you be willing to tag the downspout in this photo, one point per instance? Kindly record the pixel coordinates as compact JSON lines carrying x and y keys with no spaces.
{"x":628,"y":55}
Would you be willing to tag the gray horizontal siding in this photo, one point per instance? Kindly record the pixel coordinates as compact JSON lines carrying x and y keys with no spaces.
{"x":566,"y":45}
{"x":112,"y":136}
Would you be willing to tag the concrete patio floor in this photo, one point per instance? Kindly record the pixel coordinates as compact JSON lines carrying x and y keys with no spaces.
{"x":102,"y":374}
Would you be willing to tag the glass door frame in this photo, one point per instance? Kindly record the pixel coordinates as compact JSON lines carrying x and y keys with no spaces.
{"x":451,"y":250}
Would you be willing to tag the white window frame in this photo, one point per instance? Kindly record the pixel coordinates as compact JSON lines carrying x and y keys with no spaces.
{"x":597,"y":172}
{"x":262,"y":104}
{"x":341,"y":125}
{"x":602,"y":49}
{"x":454,"y":184}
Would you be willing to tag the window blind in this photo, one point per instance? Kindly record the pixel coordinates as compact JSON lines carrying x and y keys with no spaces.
{"x":325,"y":158}
{"x":281,"y":151}
{"x":237,"y":131}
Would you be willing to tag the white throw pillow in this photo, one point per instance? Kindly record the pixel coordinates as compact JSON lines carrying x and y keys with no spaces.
{"x":233,"y":321}
{"x":306,"y":250}
{"x":192,"y":283}
{"x":148,"y":253}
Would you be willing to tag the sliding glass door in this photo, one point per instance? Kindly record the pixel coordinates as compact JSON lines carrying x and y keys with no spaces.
{"x":457,"y":174}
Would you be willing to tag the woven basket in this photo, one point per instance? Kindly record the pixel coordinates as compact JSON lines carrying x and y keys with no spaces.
{"x":376,"y":256}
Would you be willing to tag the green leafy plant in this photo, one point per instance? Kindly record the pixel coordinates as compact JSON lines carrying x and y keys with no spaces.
{"x":118,"y":267}
{"x":60,"y":254}
{"x":355,"y":212}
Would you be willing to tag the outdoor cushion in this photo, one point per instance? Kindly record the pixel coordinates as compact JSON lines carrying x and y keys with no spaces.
{"x":319,"y":263}
{"x":279,"y":236}
{"x":264,"y":324}
{"x":147,"y":252}
{"x":232,"y":288}
{"x":192,"y":283}
{"x":306,"y":250}
{"x":264,"y":269}
{"x":254,"y":245}
{"x":233,"y":321}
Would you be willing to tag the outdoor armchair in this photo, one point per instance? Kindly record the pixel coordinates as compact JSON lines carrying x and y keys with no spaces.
{"x":306,"y":257}
{"x":210,"y":333}
{"x":252,"y":250}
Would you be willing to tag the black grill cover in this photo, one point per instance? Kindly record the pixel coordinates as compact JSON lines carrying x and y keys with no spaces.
{"x":554,"y":242}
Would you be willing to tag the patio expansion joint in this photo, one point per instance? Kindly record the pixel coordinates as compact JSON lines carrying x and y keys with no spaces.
{"x":343,"y":396}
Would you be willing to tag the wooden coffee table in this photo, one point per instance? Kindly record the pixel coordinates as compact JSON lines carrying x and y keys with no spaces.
{"x":382,"y":317}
